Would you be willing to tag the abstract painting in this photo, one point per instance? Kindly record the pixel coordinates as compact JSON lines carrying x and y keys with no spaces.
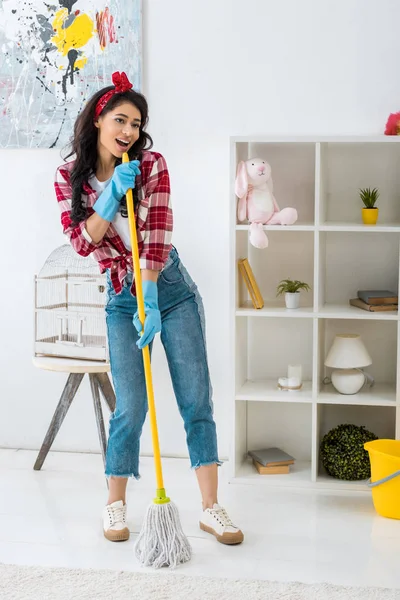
{"x":54,"y":55}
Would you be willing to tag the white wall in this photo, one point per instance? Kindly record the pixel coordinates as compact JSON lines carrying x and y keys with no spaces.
{"x":211,"y":70}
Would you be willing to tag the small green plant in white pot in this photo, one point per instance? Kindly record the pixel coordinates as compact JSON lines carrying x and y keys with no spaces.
{"x":291,"y":289}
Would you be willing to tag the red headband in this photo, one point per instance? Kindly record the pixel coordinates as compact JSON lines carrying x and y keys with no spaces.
{"x":121,"y":83}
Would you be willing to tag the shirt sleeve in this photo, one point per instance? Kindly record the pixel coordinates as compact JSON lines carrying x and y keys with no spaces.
{"x":76,"y":232}
{"x":159,"y":218}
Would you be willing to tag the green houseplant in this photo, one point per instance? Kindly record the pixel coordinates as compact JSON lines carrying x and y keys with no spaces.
{"x":291,"y":289}
{"x":342,"y":452}
{"x":369,"y":211}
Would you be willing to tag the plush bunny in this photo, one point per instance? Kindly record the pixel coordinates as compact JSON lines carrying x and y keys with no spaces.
{"x":254,"y":188}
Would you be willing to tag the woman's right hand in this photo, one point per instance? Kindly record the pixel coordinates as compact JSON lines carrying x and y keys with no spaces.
{"x":123,"y":179}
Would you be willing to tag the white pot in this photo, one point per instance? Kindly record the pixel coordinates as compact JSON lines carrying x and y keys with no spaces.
{"x":292,"y":299}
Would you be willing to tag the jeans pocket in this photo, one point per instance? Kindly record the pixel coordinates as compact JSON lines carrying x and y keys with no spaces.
{"x":172,"y":274}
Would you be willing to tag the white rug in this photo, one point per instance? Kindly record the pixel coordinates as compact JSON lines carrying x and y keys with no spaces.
{"x":36,"y":583}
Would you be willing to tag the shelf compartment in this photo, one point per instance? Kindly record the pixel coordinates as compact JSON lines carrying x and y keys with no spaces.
{"x":381,"y":394}
{"x":353,"y":261}
{"x":293,"y":175}
{"x":273,"y":344}
{"x":380,"y":339}
{"x":286,"y":256}
{"x":380,"y":420}
{"x":266,"y":390}
{"x":347,"y":167}
{"x":273,"y":424}
{"x":284,"y":425}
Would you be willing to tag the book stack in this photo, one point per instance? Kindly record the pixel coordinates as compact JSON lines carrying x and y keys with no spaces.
{"x":375,"y":300}
{"x":271,"y":461}
{"x":251,"y":283}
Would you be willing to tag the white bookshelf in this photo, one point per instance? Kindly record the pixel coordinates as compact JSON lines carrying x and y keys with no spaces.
{"x":331,"y":249}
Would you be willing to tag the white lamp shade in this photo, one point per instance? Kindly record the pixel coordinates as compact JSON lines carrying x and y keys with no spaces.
{"x":348,"y":352}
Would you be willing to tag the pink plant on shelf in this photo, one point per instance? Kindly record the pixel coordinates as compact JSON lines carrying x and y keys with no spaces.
{"x":393,"y":124}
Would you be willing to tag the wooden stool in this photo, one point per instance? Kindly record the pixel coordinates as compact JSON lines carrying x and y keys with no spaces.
{"x":76,"y":369}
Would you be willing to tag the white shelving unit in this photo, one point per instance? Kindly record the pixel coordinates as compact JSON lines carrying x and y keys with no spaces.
{"x":331,"y":249}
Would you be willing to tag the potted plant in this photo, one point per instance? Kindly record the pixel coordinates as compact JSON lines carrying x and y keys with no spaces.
{"x":369,"y":211}
{"x":291,"y":288}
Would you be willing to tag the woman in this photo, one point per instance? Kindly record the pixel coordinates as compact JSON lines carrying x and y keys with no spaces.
{"x":91,"y":195}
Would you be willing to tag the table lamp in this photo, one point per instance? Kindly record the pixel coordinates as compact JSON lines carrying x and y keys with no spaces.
{"x":348,"y":356}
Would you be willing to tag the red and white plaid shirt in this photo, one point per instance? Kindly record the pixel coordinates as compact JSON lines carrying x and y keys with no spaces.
{"x":154,"y":221}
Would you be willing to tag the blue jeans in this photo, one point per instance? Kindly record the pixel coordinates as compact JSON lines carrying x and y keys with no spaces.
{"x":183,"y":338}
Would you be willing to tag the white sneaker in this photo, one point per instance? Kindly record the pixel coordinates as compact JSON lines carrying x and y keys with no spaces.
{"x":114,"y":522}
{"x":216,"y":521}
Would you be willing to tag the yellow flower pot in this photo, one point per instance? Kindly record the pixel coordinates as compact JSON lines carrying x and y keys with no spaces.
{"x":370,"y":215}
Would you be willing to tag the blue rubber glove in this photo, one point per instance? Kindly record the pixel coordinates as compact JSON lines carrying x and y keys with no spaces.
{"x":152,"y":322}
{"x":107,"y":204}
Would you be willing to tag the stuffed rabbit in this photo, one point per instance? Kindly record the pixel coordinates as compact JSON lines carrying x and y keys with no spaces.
{"x":254,"y":188}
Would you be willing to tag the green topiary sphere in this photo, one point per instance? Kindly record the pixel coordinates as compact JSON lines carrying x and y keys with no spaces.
{"x":343,"y":454}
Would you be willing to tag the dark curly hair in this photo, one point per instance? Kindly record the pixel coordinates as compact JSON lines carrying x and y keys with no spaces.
{"x":83,"y":144}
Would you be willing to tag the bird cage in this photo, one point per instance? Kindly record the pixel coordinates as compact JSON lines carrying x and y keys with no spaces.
{"x":69,"y":307}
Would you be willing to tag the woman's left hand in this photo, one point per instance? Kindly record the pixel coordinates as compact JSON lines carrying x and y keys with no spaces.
{"x":152,"y":322}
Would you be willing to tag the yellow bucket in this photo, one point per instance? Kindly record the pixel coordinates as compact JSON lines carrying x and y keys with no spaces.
{"x":384,"y":456}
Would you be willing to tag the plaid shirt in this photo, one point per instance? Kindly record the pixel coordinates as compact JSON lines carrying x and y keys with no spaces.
{"x":154,"y":221}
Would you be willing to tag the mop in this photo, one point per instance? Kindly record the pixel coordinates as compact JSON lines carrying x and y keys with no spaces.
{"x":161,"y":541}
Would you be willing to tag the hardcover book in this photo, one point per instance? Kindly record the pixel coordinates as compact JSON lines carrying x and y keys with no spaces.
{"x":251,"y":283}
{"x":378,"y":296}
{"x":372,"y":307}
{"x":269,"y":457}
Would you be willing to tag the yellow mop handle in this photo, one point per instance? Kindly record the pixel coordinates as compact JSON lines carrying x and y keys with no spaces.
{"x":146,"y":351}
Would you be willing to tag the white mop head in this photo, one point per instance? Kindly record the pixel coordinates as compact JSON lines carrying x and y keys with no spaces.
{"x":161,"y":542}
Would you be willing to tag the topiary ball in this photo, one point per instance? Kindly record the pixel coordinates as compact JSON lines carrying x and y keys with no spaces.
{"x":343,"y":455}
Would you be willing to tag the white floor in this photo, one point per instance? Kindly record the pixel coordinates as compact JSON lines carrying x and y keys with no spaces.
{"x":52,"y":518}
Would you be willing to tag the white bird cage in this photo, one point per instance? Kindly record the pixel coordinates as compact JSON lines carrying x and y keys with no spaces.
{"x":70,"y":294}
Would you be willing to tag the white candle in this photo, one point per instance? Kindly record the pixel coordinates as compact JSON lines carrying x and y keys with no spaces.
{"x":294,"y":371}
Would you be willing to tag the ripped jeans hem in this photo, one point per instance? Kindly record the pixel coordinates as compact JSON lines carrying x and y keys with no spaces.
{"x":206,"y":464}
{"x":123,"y":476}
